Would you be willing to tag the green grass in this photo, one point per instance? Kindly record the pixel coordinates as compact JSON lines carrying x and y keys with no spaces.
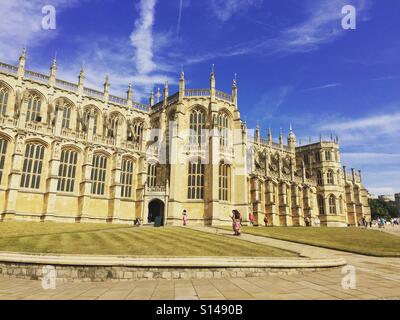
{"x":102,"y":239}
{"x":356,"y":240}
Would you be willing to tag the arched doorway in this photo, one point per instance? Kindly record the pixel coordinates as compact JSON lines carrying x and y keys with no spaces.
{"x":156,"y":213}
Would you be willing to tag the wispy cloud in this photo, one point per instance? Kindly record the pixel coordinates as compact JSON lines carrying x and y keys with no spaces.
{"x":178,"y":27}
{"x":326,"y":86}
{"x":225,"y":9}
{"x":386,"y":78}
{"x":142,"y":37}
{"x":322,"y":25}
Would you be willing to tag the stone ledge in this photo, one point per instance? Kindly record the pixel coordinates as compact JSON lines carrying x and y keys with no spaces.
{"x":112,"y":268}
{"x":178,"y":262}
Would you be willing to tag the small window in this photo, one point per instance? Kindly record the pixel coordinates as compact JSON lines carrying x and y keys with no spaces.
{"x":321,"y":205}
{"x":328,"y":156}
{"x":98,"y":175}
{"x":330,"y":177}
{"x":67,"y":171}
{"x":317,"y":157}
{"x":332,"y":205}
{"x":32,"y":167}
{"x":320,"y":178}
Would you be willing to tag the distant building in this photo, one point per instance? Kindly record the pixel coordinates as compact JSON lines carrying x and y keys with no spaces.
{"x":386,"y":198}
{"x":397,"y":201}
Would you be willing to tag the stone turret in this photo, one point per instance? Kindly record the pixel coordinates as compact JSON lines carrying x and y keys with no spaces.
{"x":291,"y":140}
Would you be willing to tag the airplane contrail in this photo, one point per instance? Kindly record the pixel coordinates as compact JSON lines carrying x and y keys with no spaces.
{"x":178,"y":27}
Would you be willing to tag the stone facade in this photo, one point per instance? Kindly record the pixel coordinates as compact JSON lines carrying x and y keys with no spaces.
{"x":70,"y":153}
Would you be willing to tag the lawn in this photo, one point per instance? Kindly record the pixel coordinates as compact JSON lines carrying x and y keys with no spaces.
{"x":103,"y":239}
{"x":357,"y":240}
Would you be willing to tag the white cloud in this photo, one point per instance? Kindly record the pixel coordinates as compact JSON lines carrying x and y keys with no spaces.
{"x":380,"y":123}
{"x":21,"y":25}
{"x":142,"y":37}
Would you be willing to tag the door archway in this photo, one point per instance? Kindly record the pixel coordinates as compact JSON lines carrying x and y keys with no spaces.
{"x":156,"y":213}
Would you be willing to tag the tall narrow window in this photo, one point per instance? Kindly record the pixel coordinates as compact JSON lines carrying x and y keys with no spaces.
{"x":86,"y":119}
{"x":321,"y":205}
{"x":151,"y":175}
{"x":3,"y":152}
{"x":126,"y":178}
{"x":224,"y":173}
{"x":332,"y":204}
{"x":196,"y":180}
{"x":197,"y":127}
{"x":330,"y":177}
{"x":34,"y":105}
{"x":3,"y":100}
{"x":67,"y":171}
{"x":98,"y":175}
{"x":320,"y":178}
{"x":306,"y":159}
{"x":223,"y":128}
{"x":328,"y":156}
{"x":32,"y":167}
{"x":317,"y":157}
{"x":66,"y":117}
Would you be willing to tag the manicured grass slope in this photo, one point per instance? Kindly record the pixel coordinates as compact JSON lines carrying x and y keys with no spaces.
{"x":122,"y":240}
{"x":368,"y":242}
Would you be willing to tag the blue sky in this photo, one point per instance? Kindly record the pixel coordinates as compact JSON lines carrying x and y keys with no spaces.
{"x":294,"y":62}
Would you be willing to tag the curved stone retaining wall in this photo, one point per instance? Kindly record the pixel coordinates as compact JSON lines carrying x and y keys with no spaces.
{"x":96,"y":269}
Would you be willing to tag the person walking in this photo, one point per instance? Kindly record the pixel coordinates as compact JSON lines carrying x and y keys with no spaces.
{"x":266,"y":220}
{"x":236,"y":222}
{"x":185,"y":218}
{"x":251,"y":219}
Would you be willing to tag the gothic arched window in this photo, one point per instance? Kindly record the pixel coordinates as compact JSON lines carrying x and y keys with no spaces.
{"x":321,"y":205}
{"x":98,"y":174}
{"x":223,"y":128}
{"x":32,"y":167}
{"x":126,"y":178}
{"x":332,"y":204}
{"x":3,"y":100}
{"x":67,"y":170}
{"x":197,"y":127}
{"x":86,"y":119}
{"x":34,"y":105}
{"x":151,"y":175}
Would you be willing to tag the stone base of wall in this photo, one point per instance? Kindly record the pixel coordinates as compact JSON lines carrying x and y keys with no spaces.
{"x":116,"y":273}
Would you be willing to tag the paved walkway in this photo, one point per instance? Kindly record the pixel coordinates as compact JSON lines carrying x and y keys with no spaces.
{"x":376,"y":278}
